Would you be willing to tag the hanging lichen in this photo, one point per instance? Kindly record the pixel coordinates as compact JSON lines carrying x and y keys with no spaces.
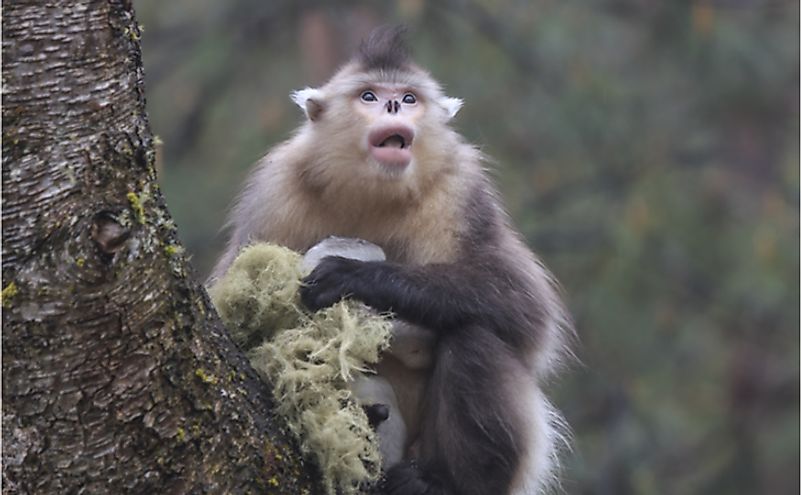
{"x":308,"y":359}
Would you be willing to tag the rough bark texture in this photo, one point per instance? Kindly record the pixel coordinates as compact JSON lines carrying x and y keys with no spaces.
{"x":117,"y":375}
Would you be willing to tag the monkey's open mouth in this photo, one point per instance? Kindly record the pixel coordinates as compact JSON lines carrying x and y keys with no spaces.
{"x":391,"y":145}
{"x":393,"y":141}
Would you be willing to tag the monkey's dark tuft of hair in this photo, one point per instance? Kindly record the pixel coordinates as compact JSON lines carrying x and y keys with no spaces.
{"x":385,"y":49}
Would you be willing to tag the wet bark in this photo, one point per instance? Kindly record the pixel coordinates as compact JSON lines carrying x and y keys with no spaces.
{"x":117,"y":374}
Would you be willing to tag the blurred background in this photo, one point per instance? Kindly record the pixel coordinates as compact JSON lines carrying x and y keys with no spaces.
{"x":649,"y":152}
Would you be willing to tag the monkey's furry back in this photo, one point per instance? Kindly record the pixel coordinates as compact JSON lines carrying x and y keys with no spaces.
{"x":308,"y":359}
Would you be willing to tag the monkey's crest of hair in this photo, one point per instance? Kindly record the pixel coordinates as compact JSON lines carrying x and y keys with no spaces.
{"x":385,"y":49}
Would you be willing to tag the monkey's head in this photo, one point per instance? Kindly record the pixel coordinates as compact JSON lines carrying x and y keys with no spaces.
{"x":379,"y":126}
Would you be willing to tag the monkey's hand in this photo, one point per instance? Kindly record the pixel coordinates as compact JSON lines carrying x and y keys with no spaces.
{"x":334,"y":278}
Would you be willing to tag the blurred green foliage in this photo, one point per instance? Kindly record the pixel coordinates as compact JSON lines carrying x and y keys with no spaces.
{"x":647,"y":149}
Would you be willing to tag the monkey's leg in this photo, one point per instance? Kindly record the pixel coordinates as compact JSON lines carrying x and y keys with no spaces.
{"x":475,"y":433}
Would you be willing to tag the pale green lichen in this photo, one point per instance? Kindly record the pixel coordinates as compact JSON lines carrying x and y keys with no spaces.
{"x":259,"y":294}
{"x":308,"y":359}
{"x":80,"y":262}
{"x":173,"y":249}
{"x":133,"y":34}
{"x":137,"y":206}
{"x":8,"y":294}
{"x":205,"y":377}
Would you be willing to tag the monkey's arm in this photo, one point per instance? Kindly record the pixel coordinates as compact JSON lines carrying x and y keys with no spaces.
{"x":437,"y":296}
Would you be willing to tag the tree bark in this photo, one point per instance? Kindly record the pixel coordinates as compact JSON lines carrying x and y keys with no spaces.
{"x":117,"y":374}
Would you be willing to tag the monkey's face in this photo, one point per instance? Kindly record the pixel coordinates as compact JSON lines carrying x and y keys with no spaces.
{"x":385,"y":133}
{"x":391,"y":114}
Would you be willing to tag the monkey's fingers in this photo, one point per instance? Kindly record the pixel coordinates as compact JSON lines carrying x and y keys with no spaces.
{"x":315,"y":297}
{"x":328,"y":283}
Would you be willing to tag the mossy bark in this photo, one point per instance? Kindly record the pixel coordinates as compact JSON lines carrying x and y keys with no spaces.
{"x":117,"y":374}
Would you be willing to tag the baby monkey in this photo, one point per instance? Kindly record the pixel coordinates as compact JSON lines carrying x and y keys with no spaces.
{"x":411,"y":348}
{"x":377,"y":160}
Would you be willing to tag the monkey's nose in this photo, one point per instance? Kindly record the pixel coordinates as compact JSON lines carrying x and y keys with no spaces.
{"x":393,"y":106}
{"x":376,"y":414}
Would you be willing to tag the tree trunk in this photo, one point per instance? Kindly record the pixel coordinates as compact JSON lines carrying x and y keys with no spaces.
{"x":117,"y":374}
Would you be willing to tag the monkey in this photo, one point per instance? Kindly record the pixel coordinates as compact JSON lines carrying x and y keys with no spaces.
{"x":377,"y":159}
{"x":411,"y":347}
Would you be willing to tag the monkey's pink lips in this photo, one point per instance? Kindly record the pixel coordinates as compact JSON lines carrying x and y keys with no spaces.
{"x":391,"y":145}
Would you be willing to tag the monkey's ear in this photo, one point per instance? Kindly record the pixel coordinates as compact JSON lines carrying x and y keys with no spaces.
{"x":310,"y":100}
{"x":451,"y":106}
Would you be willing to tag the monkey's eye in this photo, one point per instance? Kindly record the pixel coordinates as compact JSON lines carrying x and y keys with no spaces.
{"x":409,"y":98}
{"x":369,"y":96}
